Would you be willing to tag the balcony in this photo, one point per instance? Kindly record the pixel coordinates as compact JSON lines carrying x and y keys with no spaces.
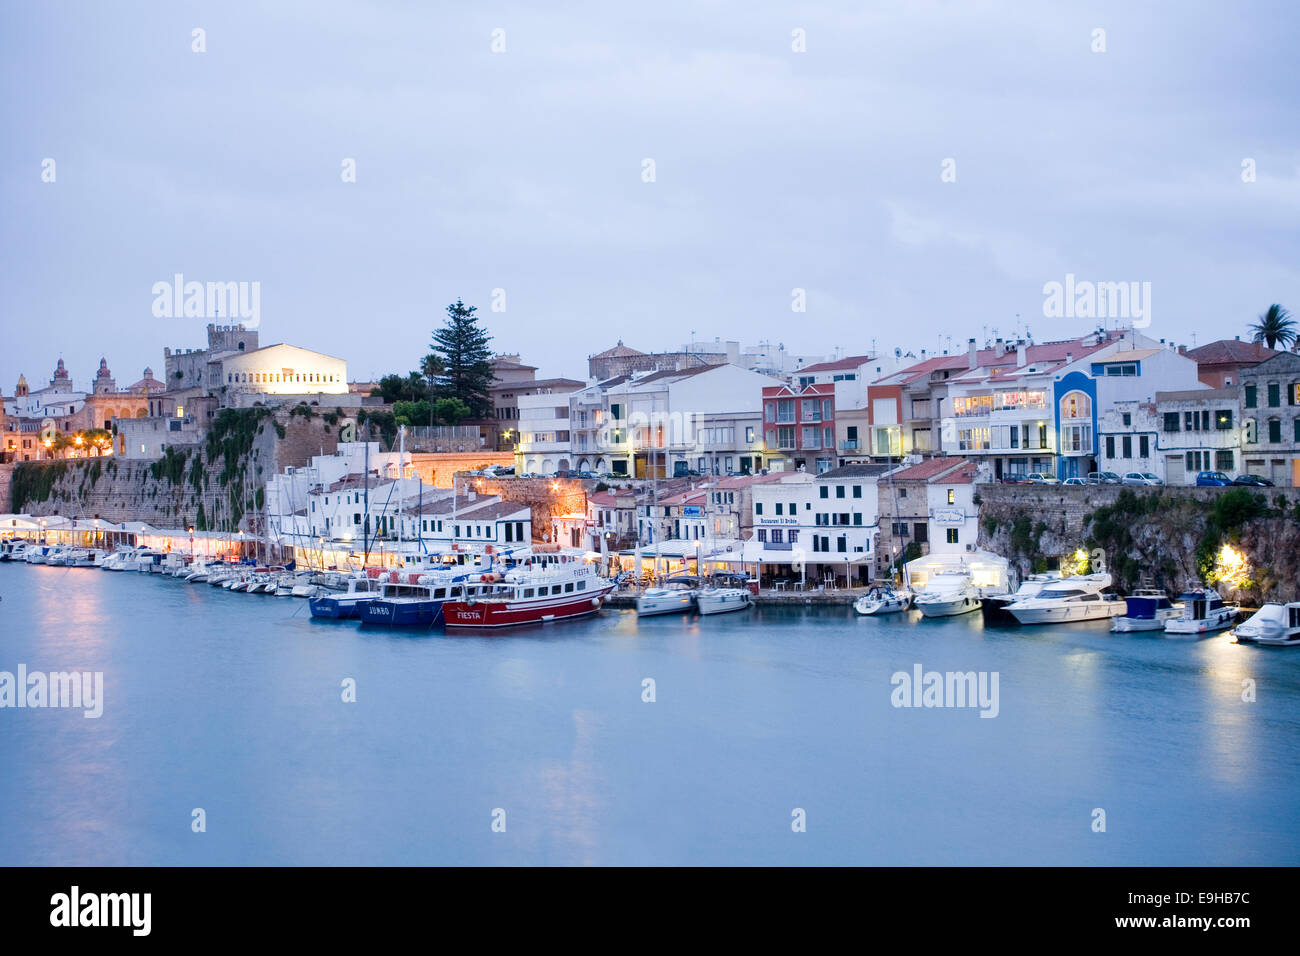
{"x":850,"y":444}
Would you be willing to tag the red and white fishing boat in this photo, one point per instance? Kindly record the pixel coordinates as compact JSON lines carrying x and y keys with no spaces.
{"x":544,"y":586}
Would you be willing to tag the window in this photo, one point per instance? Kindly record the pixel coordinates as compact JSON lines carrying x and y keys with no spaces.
{"x":824,"y":491}
{"x":1110,"y":446}
{"x":952,"y":536}
{"x":761,"y":534}
{"x":1223,"y":419}
{"x":1076,"y":405}
{"x":1128,"y":419}
{"x":1171,"y":421}
{"x":952,"y":496}
{"x":920,"y":532}
{"x":1128,"y":446}
{"x":1250,"y":396}
{"x":758,"y":507}
{"x":1144,"y":446}
{"x":1275,"y":430}
{"x":857,"y":489}
{"x":776,"y":536}
{"x":839,"y":491}
{"x":779,"y":506}
{"x":1223,"y":460}
{"x":1274,"y":395}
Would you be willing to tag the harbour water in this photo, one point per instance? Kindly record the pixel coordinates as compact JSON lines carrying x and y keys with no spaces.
{"x":233,"y":703}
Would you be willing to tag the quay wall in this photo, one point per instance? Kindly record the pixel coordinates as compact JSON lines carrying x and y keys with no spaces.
{"x":1166,"y":536}
{"x":215,"y":485}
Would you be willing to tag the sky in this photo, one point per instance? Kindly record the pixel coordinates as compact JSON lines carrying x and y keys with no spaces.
{"x":921,"y":169}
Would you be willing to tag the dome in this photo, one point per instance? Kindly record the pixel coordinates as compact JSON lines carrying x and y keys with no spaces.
{"x":103,"y":370}
{"x":60,"y":371}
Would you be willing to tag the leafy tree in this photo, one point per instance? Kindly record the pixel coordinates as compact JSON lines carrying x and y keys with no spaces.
{"x":396,"y":388}
{"x":460,"y":349}
{"x":1275,"y":327}
{"x":450,"y":411}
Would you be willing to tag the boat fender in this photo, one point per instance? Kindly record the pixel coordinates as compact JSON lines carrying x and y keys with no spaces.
{"x":595,"y":602}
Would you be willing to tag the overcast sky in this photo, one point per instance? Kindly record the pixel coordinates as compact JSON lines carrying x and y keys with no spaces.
{"x":523,"y":170}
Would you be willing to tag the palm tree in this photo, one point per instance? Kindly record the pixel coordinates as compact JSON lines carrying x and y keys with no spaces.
{"x":1275,"y":327}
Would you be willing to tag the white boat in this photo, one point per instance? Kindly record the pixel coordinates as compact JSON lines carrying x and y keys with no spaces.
{"x":1080,"y":598}
{"x":994,"y":606}
{"x":723,"y":600}
{"x":13,"y":551}
{"x":1273,"y":625}
{"x":1203,"y":613}
{"x":883,"y":599}
{"x":674,"y":596}
{"x":948,"y":593}
{"x":1147,"y":609}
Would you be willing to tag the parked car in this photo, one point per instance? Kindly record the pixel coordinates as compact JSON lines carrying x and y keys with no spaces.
{"x":1141,"y":478}
{"x":1255,"y":481}
{"x":1103,"y":478}
{"x":1038,"y":478}
{"x":1013,"y":479}
{"x":1075,"y":481}
{"x":1212,"y":479}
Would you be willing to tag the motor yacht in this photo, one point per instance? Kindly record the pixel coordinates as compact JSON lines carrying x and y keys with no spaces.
{"x":1081,"y":598}
{"x":1147,"y":609}
{"x":948,"y":593}
{"x":1273,"y":625}
{"x":1204,"y":612}
{"x":994,"y":606}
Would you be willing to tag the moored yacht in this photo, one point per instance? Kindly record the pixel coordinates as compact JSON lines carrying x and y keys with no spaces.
{"x":344,"y":602}
{"x":1081,"y":598}
{"x":1204,"y":612}
{"x":948,"y":593}
{"x":1274,"y":625}
{"x":675,"y":596}
{"x":404,"y":604}
{"x":883,"y":599}
{"x":994,"y":606}
{"x":546,"y":586}
{"x":1147,"y":609}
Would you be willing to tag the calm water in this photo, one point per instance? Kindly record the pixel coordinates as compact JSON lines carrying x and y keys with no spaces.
{"x":232,"y":703}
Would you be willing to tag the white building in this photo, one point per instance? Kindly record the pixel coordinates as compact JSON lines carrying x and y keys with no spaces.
{"x":702,"y":420}
{"x":280,"y":371}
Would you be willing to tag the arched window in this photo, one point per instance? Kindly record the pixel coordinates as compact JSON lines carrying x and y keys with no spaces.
{"x":1076,"y":405}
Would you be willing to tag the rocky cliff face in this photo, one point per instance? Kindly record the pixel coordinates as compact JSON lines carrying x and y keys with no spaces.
{"x":1165,"y":537}
{"x":217,"y":485}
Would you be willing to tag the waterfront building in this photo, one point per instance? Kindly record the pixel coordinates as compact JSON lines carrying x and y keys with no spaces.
{"x":926,"y":506}
{"x":543,"y":443}
{"x":1174,"y":437}
{"x":43,"y":424}
{"x":1270,"y":411}
{"x":1219,"y":364}
{"x":764,"y":358}
{"x":1133,"y":370}
{"x":799,"y":425}
{"x":703,"y":420}
{"x":817,"y":530}
{"x":1038,"y":409}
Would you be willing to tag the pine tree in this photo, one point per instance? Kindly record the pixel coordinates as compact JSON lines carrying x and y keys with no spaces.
{"x":461,"y":349}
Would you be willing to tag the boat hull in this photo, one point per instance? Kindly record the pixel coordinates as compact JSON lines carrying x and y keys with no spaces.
{"x":1072,"y":613}
{"x":724,"y":603}
{"x":949,"y":607}
{"x":386,"y":613}
{"x":336,"y":608}
{"x":490,"y":615}
{"x":1181,"y":627}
